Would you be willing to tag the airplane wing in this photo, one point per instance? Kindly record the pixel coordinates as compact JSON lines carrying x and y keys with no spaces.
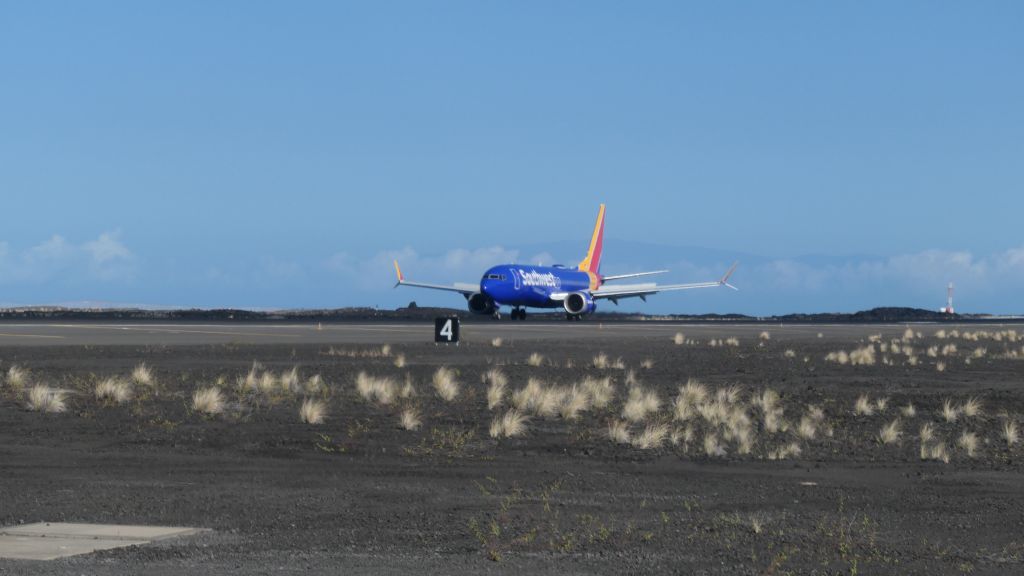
{"x":616,"y":293}
{"x":634,"y":275}
{"x":463,"y":288}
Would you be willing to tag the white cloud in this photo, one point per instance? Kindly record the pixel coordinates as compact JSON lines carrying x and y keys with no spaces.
{"x":107,"y":248}
{"x":457,"y":265}
{"x":105,"y":258}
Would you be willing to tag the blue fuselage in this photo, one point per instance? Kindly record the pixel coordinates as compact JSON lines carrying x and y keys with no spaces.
{"x":532,"y":286}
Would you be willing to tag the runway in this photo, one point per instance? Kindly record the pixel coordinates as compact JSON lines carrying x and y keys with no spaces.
{"x":185,"y":333}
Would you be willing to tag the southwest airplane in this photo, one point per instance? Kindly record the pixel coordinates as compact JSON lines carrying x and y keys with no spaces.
{"x":576,"y":290}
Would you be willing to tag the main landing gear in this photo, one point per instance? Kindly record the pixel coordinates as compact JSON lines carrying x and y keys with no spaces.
{"x":571,"y":317}
{"x":518,"y":314}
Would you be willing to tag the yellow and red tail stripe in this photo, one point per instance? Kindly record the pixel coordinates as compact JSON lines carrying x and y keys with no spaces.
{"x":592,"y":263}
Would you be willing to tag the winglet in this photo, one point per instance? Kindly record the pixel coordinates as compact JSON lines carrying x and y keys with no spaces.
{"x":398,"y":272}
{"x":725,"y":279}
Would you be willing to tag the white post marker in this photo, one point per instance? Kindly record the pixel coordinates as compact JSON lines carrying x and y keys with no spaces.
{"x":446,"y":330}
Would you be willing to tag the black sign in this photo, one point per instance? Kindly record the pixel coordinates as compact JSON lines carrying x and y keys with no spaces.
{"x":446,"y":330}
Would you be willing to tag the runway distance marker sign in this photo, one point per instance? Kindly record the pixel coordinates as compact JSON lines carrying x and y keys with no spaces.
{"x":446,"y":330}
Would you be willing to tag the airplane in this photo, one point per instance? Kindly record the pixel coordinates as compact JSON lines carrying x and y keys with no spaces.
{"x":576,"y":290}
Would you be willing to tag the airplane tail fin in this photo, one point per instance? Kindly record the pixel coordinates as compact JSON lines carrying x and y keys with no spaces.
{"x":592,"y":263}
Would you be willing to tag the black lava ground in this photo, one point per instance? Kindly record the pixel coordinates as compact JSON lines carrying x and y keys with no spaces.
{"x":358,"y":494}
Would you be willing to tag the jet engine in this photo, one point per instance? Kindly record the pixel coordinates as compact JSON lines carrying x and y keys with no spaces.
{"x":481,"y":304}
{"x":579,"y":303}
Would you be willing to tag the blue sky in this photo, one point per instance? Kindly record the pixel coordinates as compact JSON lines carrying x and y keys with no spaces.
{"x":260,"y":154}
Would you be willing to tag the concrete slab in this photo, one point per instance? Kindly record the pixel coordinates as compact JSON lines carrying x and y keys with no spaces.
{"x":51,"y":548}
{"x":48,"y":541}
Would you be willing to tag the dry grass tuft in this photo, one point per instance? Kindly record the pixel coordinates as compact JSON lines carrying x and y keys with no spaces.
{"x":399,"y":361}
{"x":949,"y":350}
{"x":941,"y":334}
{"x":909,"y":411}
{"x":496,"y":342}
{"x":42,"y":398}
{"x":765,"y":335}
{"x":209,"y":401}
{"x":683,"y":436}
{"x":647,"y":364}
{"x":600,"y":361}
{"x":712,"y":447}
{"x":939,"y":452}
{"x":979,"y":352}
{"x":891,"y":432}
{"x":949,"y":411}
{"x":142,"y":375}
{"x":971,"y":408}
{"x":112,"y":390}
{"x":446,"y":383}
{"x":908,"y":334}
{"x":576,"y":400}
{"x":863,"y":406}
{"x":969,"y":442}
{"x":526,"y":398}
{"x":511,"y":424}
{"x":881,"y":404}
{"x":1010,"y":433}
{"x":618,"y":432}
{"x":315,"y":386}
{"x":807,"y":428}
{"x":266,"y":383}
{"x":549,"y":401}
{"x":679,"y":339}
{"x":496,"y":383}
{"x":381,"y":390}
{"x":789,"y":353}
{"x":250,"y":381}
{"x":535,"y":360}
{"x":791,"y":450}
{"x":927,"y":432}
{"x":409,"y":419}
{"x":732,"y":341}
{"x":408,"y":389}
{"x":313,"y":411}
{"x":600,"y":390}
{"x":385,"y":350}
{"x":840,"y":357}
{"x":691,"y":395}
{"x":631,"y":378}
{"x":17,"y":378}
{"x":771,"y":409}
{"x":290,"y":380}
{"x":940,"y":366}
{"x":653,"y":436}
{"x":728,"y":395}
{"x":864,"y":356}
{"x":640,"y":404}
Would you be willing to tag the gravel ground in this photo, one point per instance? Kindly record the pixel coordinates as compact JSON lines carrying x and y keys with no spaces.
{"x":359,"y":494}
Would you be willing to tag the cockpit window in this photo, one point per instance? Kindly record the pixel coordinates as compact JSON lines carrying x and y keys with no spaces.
{"x":493,"y":277}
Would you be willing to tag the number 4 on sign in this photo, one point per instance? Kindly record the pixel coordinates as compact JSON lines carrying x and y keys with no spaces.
{"x":446,"y":330}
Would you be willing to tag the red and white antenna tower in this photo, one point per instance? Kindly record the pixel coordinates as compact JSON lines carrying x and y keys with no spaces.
{"x":949,"y":300}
